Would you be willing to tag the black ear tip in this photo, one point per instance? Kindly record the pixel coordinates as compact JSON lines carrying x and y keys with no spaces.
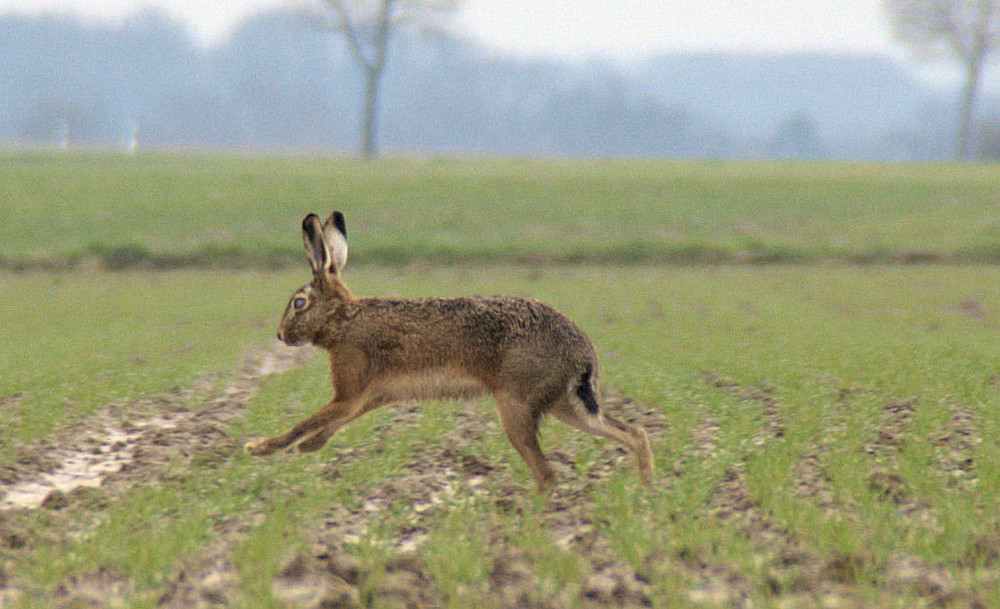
{"x":338,"y":222}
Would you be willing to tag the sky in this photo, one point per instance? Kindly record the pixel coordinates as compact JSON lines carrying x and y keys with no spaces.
{"x":578,"y":29}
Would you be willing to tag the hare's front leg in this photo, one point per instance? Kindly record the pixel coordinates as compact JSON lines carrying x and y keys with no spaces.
{"x":335,"y":414}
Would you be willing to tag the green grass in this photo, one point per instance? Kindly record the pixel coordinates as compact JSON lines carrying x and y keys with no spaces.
{"x":168,"y":211}
{"x":75,"y":342}
{"x":457,"y":557}
{"x":809,"y":332}
{"x":832,"y":344}
{"x":145,"y":536}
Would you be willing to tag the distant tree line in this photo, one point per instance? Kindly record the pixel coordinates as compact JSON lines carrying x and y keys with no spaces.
{"x":282,"y":84}
{"x":966,"y":30}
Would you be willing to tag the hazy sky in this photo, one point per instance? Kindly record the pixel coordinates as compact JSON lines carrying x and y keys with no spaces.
{"x":614,"y":29}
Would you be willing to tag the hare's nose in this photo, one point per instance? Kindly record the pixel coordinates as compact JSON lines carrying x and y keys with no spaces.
{"x":279,"y":336}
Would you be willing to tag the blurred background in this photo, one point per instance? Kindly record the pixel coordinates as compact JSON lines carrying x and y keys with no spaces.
{"x":765,"y":79}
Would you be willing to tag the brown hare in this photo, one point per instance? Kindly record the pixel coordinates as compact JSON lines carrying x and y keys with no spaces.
{"x":530,"y":357}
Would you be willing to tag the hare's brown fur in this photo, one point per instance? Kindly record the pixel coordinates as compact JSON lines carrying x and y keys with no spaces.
{"x":531,"y":358}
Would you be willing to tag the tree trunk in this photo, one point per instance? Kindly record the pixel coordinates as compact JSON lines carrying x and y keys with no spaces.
{"x":369,"y":126}
{"x":967,"y":107}
{"x":374,"y":68}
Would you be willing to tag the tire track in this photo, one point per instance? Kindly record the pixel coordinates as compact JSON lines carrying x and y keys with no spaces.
{"x":75,"y":476}
{"x":893,"y":428}
{"x":956,"y":447}
{"x":772,"y":427}
{"x":794,"y":575}
{"x":103,"y":447}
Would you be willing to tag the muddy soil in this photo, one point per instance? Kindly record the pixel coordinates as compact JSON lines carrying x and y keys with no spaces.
{"x":86,"y":468}
{"x":802,"y":578}
{"x":89,"y":466}
{"x":134,"y":441}
{"x":93,"y":463}
{"x":444,"y":475}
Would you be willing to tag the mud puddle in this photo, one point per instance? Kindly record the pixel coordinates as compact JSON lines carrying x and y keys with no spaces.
{"x":79,"y":468}
{"x":104,"y":445}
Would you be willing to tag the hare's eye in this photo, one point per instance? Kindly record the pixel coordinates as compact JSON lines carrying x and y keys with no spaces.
{"x":299,"y":303}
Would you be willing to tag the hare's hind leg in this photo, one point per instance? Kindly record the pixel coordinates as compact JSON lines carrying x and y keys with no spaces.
{"x":521,"y":427}
{"x":317,"y":439}
{"x":333,"y":416}
{"x":609,"y":427}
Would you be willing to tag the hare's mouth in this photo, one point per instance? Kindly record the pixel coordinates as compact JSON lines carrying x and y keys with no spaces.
{"x":290,"y":340}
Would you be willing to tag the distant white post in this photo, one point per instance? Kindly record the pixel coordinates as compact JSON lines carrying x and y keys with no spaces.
{"x":131,"y":140}
{"x":62,"y":136}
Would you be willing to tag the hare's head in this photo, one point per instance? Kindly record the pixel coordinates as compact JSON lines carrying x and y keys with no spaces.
{"x":310,"y":307}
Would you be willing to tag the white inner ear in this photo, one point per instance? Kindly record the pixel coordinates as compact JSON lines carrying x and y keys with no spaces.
{"x":315,"y":248}
{"x":338,"y":248}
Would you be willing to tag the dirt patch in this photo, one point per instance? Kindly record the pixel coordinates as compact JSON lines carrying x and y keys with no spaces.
{"x":971,"y":308}
{"x":893,"y":424}
{"x":75,"y":475}
{"x":454,"y":473}
{"x":813,"y":483}
{"x":78,"y":466}
{"x":772,"y":426}
{"x":451,"y":473}
{"x":903,"y":574}
{"x":85,"y":455}
{"x":208,"y":578}
{"x":799,"y":577}
{"x":956,"y":447}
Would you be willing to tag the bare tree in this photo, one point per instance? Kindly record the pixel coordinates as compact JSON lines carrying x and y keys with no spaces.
{"x":968,"y":30}
{"x":368,"y":25}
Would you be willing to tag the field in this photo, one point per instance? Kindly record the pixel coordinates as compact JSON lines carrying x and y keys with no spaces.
{"x":163,"y":211}
{"x":824,"y":426}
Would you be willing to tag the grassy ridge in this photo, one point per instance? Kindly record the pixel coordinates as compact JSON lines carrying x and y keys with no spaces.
{"x":176,"y":211}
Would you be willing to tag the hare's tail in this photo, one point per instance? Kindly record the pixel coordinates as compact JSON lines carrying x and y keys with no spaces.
{"x":585,"y":390}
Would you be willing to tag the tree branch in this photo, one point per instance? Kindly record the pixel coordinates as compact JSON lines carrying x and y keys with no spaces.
{"x":408,"y":11}
{"x":350,"y":30}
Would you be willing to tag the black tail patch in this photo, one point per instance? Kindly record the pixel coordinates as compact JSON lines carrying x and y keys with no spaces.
{"x":586,"y":393}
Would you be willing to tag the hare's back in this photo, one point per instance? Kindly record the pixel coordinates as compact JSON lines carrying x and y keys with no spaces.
{"x":489,"y":325}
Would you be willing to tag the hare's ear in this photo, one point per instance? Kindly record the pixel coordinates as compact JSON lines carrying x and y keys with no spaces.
{"x":335,"y":231}
{"x":316,"y":246}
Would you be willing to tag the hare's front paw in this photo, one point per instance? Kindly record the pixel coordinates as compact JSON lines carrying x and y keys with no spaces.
{"x":258,"y":448}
